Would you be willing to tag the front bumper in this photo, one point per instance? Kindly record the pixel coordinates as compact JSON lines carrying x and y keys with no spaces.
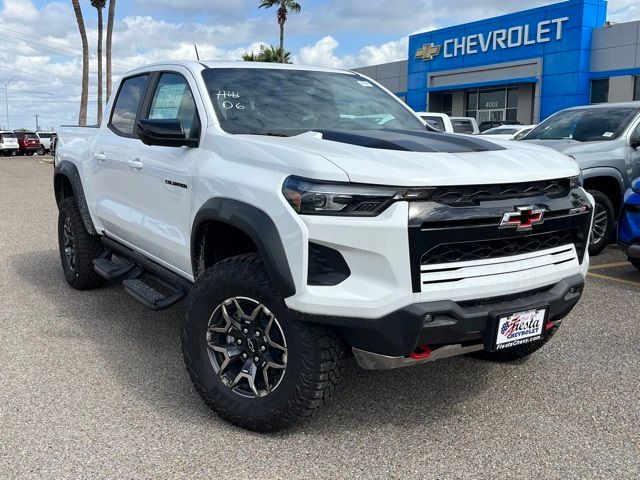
{"x":466,"y":325}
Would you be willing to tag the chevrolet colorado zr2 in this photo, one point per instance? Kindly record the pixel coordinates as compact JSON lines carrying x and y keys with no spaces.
{"x":308,"y":214}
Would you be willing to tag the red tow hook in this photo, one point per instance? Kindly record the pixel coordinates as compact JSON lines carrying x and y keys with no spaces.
{"x":421,"y":353}
{"x":549,"y":325}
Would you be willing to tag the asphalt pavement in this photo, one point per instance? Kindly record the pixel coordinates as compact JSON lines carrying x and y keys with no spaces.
{"x":92,"y":385}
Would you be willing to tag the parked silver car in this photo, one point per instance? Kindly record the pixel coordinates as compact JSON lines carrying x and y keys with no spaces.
{"x":605,"y":141}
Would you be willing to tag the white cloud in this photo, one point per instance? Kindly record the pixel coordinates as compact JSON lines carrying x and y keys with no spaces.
{"x":321,"y":54}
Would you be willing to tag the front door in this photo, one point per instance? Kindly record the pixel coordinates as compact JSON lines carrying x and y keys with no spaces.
{"x":163,"y":176}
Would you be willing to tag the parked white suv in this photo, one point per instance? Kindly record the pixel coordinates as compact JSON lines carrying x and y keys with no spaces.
{"x":46,"y":139}
{"x":8,"y":143}
{"x":301,"y":227}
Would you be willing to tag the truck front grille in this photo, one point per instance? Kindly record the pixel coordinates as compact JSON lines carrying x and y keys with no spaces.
{"x":495,"y":248}
{"x":462,"y":196}
{"x":455,"y":244}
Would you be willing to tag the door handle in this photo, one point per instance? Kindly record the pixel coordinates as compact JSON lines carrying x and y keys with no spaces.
{"x":136,"y":164}
{"x":100,"y":156}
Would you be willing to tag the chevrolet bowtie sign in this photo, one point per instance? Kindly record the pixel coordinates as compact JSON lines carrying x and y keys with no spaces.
{"x":504,"y":38}
{"x":428,"y":52}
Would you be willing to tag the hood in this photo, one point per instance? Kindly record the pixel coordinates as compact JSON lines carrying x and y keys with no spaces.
{"x":573,"y":147}
{"x":429,"y":159}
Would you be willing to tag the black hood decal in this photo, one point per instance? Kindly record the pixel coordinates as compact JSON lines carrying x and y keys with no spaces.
{"x":410,"y":140}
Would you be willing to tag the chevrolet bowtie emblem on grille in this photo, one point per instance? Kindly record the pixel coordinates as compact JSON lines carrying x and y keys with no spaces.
{"x":524,"y":218}
{"x":428,"y":52}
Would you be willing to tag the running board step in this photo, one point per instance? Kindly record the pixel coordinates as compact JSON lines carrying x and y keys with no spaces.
{"x":151,"y":298}
{"x":112,"y":268}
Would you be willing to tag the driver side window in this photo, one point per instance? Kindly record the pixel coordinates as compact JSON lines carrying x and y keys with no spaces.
{"x":173,"y":99}
{"x":635,"y":136}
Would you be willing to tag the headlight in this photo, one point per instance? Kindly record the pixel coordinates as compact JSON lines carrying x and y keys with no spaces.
{"x":313,"y":197}
{"x":576,"y":182}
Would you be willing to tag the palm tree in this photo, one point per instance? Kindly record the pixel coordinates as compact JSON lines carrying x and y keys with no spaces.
{"x":99,"y":6}
{"x":284,"y":7}
{"x":269,"y":54}
{"x":110,"y":20}
{"x":250,"y":57}
{"x":84,"y":96}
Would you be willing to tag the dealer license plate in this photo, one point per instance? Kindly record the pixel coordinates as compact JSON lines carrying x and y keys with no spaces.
{"x":520,"y":328}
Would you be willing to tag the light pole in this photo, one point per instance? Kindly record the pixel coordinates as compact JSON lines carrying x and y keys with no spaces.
{"x":6,"y":98}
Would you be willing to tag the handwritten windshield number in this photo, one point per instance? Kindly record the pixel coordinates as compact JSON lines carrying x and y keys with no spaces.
{"x":225,"y":94}
{"x":227,"y":105}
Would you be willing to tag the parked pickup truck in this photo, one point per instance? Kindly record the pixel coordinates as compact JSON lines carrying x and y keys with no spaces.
{"x":300,"y":230}
{"x":605,"y":141}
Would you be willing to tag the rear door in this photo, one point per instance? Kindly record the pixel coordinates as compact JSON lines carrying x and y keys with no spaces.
{"x":162,"y":199}
{"x":112,"y":182}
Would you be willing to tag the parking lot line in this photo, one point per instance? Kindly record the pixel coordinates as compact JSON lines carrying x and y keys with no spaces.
{"x":608,"y":265}
{"x":614,"y":279}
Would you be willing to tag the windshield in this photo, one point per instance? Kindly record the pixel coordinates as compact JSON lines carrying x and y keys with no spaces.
{"x":462,"y":126}
{"x":289,"y":102}
{"x":584,"y":125}
{"x":500,"y":131}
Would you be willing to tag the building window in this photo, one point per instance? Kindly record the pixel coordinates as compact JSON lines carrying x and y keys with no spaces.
{"x":472,"y":104}
{"x":447,"y":104}
{"x":600,"y":90}
{"x":636,"y":88}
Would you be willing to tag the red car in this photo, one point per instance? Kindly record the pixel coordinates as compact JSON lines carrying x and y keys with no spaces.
{"x":28,"y":142}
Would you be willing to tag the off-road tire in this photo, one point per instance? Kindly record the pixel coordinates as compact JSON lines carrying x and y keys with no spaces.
{"x":315,"y":354}
{"x":516,"y":353}
{"x":87,"y":248}
{"x":605,"y":202}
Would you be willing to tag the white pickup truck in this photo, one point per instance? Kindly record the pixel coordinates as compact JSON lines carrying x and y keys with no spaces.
{"x":301,"y":228}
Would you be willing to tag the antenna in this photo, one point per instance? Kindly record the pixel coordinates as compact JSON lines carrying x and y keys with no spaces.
{"x":197,"y":54}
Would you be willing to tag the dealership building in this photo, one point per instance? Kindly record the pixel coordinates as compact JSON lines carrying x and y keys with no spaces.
{"x":522,"y":66}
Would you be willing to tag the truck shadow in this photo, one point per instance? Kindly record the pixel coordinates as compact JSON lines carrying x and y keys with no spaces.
{"x":140,"y":350}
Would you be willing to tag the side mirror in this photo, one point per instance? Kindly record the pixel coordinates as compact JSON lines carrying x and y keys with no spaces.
{"x":635,"y":142}
{"x":164,"y":133}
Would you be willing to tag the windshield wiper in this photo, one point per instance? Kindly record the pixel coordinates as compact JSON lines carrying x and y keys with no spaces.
{"x":267,"y":134}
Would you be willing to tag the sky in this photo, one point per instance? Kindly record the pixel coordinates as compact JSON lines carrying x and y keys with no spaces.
{"x":41,"y":58}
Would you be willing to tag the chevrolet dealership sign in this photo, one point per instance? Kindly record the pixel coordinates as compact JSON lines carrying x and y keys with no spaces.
{"x":518,"y":36}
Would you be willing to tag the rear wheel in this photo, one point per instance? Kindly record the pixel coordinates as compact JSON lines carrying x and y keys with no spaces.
{"x":78,"y":248}
{"x":42,"y":151}
{"x":603,"y":223}
{"x":251,"y":362}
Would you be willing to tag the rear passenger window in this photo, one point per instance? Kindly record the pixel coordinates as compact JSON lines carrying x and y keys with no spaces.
{"x":123,"y":118}
{"x":173,"y":100}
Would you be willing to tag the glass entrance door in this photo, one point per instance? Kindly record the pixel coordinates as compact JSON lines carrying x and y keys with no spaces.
{"x":491,"y":115}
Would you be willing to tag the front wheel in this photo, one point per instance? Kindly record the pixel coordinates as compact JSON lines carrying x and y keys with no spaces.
{"x":249,"y":359}
{"x":603,"y":226}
